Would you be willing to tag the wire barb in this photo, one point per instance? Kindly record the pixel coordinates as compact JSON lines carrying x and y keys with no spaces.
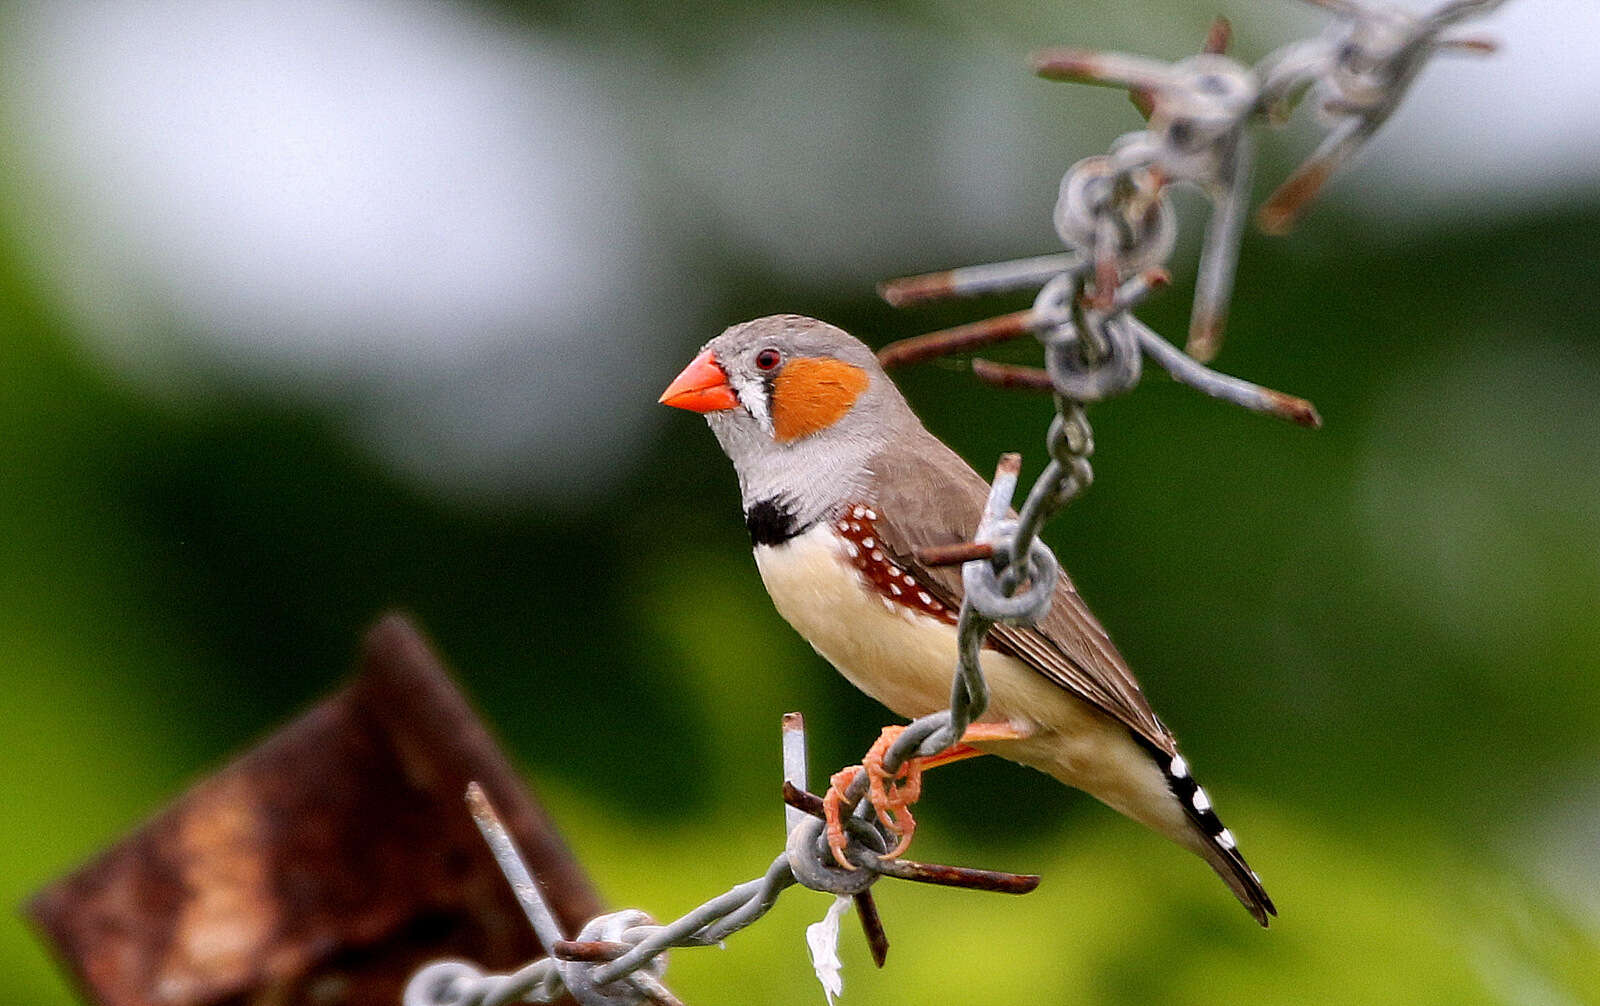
{"x":1360,"y":72}
{"x":618,"y":958}
{"x":954,"y":555}
{"x":1198,"y":114}
{"x":972,"y":280}
{"x":1115,"y":217}
{"x":574,"y":966}
{"x":976,"y":335}
{"x":1113,"y":214}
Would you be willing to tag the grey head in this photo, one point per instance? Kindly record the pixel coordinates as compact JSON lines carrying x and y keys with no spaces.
{"x":813,"y":410}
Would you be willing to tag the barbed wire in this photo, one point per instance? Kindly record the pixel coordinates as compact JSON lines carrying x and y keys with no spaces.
{"x":1115,"y":216}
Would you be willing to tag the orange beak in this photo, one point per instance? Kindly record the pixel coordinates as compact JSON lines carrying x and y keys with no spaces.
{"x":702,"y":387}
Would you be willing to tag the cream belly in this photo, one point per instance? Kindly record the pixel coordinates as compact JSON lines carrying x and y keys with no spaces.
{"x":906,"y":660}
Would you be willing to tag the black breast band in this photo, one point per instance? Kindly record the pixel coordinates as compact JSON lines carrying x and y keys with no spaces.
{"x":771,"y":522}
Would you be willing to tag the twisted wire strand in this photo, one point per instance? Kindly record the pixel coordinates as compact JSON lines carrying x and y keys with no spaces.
{"x":1114,"y":216}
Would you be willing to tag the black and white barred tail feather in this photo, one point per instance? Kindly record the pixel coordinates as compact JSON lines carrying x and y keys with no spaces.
{"x":1218,"y":845}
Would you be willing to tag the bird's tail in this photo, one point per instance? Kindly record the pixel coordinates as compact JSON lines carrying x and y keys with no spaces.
{"x":1214,"y":842}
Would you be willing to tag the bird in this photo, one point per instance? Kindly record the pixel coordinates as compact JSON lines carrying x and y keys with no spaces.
{"x":841,"y":486}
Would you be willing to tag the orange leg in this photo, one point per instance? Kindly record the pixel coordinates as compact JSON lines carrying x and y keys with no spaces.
{"x":892,"y":794}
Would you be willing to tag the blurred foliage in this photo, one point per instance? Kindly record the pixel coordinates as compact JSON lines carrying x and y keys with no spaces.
{"x":1378,"y":642}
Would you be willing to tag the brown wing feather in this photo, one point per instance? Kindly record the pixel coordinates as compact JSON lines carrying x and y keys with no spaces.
{"x":927,"y":495}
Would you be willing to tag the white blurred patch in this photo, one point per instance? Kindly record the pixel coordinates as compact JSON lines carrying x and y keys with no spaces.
{"x":412,"y":215}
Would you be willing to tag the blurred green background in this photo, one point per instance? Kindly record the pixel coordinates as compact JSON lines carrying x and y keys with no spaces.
{"x":310,"y":311}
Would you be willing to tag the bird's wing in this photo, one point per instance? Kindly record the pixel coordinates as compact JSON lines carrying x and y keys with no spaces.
{"x":928,"y":496}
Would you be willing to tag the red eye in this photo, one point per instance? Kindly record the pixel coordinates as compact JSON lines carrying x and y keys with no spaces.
{"x":768,"y":359}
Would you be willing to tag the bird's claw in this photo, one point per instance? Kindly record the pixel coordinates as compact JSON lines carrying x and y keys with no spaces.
{"x":890,"y":794}
{"x":831,"y":803}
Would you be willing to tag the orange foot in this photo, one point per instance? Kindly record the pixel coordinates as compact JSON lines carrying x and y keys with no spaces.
{"x":892,"y":794}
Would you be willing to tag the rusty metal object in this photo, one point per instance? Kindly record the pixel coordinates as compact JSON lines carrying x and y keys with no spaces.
{"x":592,"y":951}
{"x":323,"y":866}
{"x":1296,"y":410}
{"x":1278,"y":215}
{"x":801,"y":800}
{"x":1012,"y":377}
{"x":1218,"y":37}
{"x":960,"y":876}
{"x":955,"y":555}
{"x":961,"y":339}
{"x":872,"y":927}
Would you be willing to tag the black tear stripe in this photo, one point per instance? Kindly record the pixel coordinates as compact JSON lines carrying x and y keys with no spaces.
{"x":770,"y":522}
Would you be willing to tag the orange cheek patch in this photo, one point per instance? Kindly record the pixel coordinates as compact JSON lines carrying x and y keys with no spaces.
{"x":812,"y":394}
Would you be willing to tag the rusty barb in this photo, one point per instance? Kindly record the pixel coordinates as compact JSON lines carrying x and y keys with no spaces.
{"x":1115,"y":216}
{"x":1113,"y":213}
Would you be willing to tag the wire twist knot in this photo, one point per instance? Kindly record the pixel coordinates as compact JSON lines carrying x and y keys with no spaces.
{"x":1090,"y":212}
{"x":812,"y":862}
{"x":628,"y":926}
{"x":985,"y":582}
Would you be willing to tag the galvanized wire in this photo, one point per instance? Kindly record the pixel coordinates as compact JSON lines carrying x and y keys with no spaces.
{"x":1115,"y":218}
